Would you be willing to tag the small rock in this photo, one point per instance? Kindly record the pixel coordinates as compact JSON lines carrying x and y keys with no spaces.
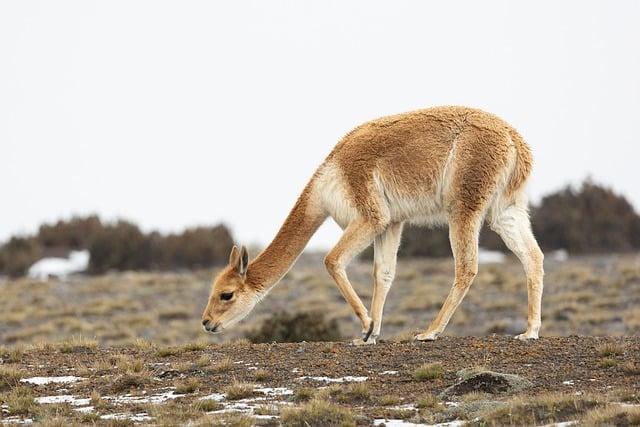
{"x":486,"y":382}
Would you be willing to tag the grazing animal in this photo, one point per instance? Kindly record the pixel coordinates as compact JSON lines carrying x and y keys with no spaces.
{"x":444,"y":165}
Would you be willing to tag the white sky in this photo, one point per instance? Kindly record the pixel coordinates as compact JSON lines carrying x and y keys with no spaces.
{"x":174,"y":114}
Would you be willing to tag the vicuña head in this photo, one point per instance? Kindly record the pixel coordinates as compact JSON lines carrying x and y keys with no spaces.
{"x":445,"y":165}
{"x":231,"y":299}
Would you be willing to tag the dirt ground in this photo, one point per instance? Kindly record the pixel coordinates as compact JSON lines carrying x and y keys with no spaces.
{"x":373,"y":383}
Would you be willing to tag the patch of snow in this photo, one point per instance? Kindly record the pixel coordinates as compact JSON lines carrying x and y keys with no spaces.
{"x":63,"y":398}
{"x":154,"y":398}
{"x":346,"y":379}
{"x":294,"y":370}
{"x":49,"y":380}
{"x":559,"y":255}
{"x":77,"y":262}
{"x":215,"y":396}
{"x":278,"y":391}
{"x":142,"y":416}
{"x":486,"y":256}
{"x":389,"y":373}
{"x":568,"y":382}
{"x":252,"y":368}
{"x":562,"y":424}
{"x":395,"y":423}
{"x":17,"y":420}
{"x":452,"y":404}
{"x":84,"y":409}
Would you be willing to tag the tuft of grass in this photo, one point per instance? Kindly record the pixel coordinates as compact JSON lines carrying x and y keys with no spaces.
{"x":20,"y":401}
{"x":168,"y":351}
{"x":224,"y":365}
{"x":611,"y":416}
{"x":195,"y":346}
{"x":143,"y":344}
{"x":389,"y":400}
{"x":542,"y":409}
{"x":428,"y":371}
{"x":207,"y":405}
{"x":266,"y":410}
{"x":261,"y":375}
{"x":607,"y":363}
{"x":128,"y":364}
{"x":631,"y":368}
{"x":317,"y":413}
{"x":11,"y":355}
{"x":427,"y":401}
{"x":9,"y":377}
{"x":128,"y":381}
{"x":356,"y":392}
{"x":78,"y":344}
{"x":610,"y":349}
{"x":188,"y":386}
{"x":303,"y":394}
{"x":238,"y":390}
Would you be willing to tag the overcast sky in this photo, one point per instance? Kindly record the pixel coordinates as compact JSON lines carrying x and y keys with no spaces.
{"x":174,"y":114}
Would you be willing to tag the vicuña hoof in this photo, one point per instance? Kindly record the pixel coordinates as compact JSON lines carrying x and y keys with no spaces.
{"x":426,"y":337}
{"x":360,"y":341}
{"x":527,"y":336}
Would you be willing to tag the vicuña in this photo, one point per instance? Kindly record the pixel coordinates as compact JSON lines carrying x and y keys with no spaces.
{"x":444,"y":165}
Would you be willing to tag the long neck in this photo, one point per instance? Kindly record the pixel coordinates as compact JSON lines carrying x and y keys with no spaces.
{"x":274,"y":262}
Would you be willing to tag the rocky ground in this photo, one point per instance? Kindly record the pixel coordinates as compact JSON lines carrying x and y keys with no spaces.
{"x":453,"y":380}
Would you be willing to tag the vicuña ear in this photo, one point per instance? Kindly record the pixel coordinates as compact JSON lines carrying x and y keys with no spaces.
{"x":234,"y":257}
{"x":244,"y":261}
{"x":239,"y":260}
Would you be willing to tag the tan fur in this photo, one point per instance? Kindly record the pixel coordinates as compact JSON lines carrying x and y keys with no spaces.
{"x":452,"y":165}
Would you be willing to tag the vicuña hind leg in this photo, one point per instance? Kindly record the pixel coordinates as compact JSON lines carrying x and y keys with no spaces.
{"x":463,"y":235}
{"x":514,"y":228}
{"x":385,"y":248}
{"x":356,"y":237}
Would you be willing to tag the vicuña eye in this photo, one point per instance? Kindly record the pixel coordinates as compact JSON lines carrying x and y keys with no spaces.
{"x":226,"y":296}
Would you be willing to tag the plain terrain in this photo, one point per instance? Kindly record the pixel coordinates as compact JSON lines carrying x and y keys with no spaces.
{"x":132,"y":350}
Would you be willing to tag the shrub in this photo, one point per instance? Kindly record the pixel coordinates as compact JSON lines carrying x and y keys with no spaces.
{"x":589,"y":220}
{"x":428,"y":371}
{"x":118,"y":246}
{"x":285,"y":327}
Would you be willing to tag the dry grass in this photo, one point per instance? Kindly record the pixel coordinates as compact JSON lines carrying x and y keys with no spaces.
{"x":77,"y":343}
{"x":9,"y":377}
{"x":224,"y":365}
{"x":389,"y":400}
{"x":541,"y":409}
{"x":428,"y":401}
{"x":585,"y":300}
{"x":188,"y":386}
{"x":428,"y":371}
{"x":261,"y":375}
{"x":19,"y":400}
{"x":610,"y":349}
{"x":303,"y":394}
{"x":317,"y":413}
{"x":238,"y":390}
{"x":612,"y":415}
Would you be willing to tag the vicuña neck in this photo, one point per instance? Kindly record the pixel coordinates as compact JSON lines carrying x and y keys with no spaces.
{"x":274,"y":262}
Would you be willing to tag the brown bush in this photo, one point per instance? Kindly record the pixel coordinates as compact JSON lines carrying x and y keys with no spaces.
{"x":285,"y":327}
{"x":118,"y":246}
{"x":17,"y":255}
{"x":592,"y":219}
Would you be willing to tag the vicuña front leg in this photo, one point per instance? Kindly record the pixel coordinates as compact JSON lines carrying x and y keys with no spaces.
{"x":385,"y":247}
{"x":464,"y":245}
{"x":356,"y":237}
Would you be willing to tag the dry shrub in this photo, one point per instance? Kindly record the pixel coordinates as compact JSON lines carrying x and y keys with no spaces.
{"x":285,"y":327}
{"x":317,"y":413}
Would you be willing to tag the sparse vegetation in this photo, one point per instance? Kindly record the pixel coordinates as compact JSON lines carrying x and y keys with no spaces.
{"x":428,"y":371}
{"x":9,"y":377}
{"x":303,"y":394}
{"x":317,"y":413}
{"x":610,"y":349}
{"x":188,"y":386}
